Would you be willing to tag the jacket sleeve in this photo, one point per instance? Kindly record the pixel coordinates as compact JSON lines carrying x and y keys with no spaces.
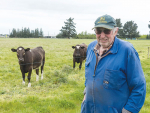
{"x":136,"y":83}
{"x":85,"y":67}
{"x":85,"y":64}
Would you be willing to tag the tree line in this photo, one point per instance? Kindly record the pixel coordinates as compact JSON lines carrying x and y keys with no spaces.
{"x":128,"y":30}
{"x":26,"y":33}
{"x":148,"y":37}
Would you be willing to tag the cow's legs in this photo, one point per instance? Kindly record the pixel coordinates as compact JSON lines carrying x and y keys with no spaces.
{"x":23,"y":77}
{"x":29,"y":77}
{"x":37,"y":74}
{"x":42,"y":72}
{"x":42,"y":69}
{"x":80,"y":65}
{"x":73,"y":64}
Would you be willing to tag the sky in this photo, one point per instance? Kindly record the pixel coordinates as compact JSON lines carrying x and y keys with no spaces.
{"x":50,"y":15}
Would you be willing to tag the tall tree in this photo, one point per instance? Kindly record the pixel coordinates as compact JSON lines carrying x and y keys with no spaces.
{"x":22,"y":32}
{"x":13,"y":33}
{"x":118,"y":22}
{"x":119,"y":25}
{"x":32,"y":33}
{"x":18,"y":33}
{"x":25,"y":32}
{"x":28,"y":33}
{"x":69,"y":29}
{"x":41,"y":32}
{"x":37,"y":33}
{"x":130,"y":29}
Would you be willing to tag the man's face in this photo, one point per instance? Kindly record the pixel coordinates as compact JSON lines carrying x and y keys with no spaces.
{"x":105,"y":36}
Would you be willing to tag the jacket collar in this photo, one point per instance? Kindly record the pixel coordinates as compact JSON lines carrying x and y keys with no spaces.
{"x":114,"y":48}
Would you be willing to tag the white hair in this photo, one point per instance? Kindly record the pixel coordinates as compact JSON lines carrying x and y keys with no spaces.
{"x":114,"y":29}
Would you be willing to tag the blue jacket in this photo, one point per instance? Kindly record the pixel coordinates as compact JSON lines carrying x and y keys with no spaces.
{"x":116,"y":82}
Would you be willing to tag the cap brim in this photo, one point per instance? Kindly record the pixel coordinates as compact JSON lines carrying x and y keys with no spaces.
{"x":104,"y":26}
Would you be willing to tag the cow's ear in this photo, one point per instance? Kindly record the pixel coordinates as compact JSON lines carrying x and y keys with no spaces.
{"x":73,"y":47}
{"x":14,"y":50}
{"x":27,"y":49}
{"x":82,"y":47}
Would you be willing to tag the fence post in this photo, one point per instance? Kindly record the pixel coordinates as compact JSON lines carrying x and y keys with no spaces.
{"x":148,"y":52}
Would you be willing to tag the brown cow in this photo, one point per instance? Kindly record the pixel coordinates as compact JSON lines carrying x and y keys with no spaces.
{"x":30,"y":59}
{"x":79,"y":54}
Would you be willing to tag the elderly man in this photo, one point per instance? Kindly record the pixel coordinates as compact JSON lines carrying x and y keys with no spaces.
{"x":115,"y":81}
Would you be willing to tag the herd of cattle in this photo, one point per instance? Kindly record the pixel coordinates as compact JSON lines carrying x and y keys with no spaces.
{"x":30,"y":59}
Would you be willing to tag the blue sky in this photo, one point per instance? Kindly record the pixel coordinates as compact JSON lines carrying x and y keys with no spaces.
{"x":51,"y":14}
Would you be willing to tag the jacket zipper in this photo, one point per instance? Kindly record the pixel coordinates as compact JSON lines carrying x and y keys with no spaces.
{"x":94,"y":78}
{"x":99,"y":60}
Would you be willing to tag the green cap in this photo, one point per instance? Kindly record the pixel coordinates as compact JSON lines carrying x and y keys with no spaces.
{"x":105,"y":21}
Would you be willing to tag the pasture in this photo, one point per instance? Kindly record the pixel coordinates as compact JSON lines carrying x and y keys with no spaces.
{"x":61,"y":90}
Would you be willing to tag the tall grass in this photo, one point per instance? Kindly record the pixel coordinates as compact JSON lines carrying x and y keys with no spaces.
{"x":61,"y":90}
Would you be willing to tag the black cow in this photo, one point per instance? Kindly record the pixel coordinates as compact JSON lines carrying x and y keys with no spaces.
{"x":79,"y":54}
{"x":30,"y":59}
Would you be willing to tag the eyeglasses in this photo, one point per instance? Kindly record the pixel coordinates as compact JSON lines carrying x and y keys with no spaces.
{"x":99,"y":31}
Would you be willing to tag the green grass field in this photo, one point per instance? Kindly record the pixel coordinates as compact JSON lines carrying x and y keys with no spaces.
{"x":61,"y":90}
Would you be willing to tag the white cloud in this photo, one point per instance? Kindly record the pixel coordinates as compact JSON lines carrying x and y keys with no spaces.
{"x":51,"y":14}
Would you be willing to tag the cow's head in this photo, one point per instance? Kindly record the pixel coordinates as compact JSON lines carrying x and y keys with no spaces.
{"x":78,"y":50}
{"x":20,"y":53}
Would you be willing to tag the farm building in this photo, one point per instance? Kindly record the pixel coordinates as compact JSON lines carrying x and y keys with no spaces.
{"x":4,"y":35}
